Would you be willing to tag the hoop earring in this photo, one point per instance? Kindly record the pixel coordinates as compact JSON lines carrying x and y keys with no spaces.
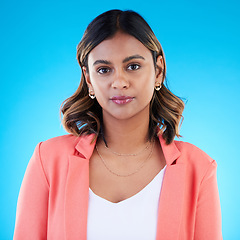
{"x":91,"y":95}
{"x":157,"y":88}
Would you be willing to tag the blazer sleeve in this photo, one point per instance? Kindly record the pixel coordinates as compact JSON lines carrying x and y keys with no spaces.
{"x":32,"y":207}
{"x":208,"y":215}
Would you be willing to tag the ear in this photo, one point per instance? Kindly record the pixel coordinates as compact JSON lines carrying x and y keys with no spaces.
{"x":159,"y":70}
{"x":87,"y":77}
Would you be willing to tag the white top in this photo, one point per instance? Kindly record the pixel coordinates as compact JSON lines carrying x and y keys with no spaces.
{"x":132,"y":218}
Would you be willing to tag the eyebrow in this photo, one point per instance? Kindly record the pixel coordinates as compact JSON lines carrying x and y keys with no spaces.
{"x":101,"y":61}
{"x":133,"y":57}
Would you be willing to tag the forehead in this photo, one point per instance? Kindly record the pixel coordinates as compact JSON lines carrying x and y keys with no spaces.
{"x":120,"y":46}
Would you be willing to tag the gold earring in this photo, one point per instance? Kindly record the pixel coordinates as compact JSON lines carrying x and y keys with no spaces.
{"x":157,"y":87}
{"x":91,"y":95}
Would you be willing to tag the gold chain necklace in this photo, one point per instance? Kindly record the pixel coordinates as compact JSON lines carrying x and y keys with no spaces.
{"x":129,"y":174}
{"x":128,"y":154}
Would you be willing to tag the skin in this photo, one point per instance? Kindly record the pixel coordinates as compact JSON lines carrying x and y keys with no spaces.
{"x":123,"y":66}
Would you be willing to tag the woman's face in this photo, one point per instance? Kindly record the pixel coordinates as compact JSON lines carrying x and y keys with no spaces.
{"x":122,"y":76}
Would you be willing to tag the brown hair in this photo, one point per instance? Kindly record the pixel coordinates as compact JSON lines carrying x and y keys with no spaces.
{"x":82,"y":115}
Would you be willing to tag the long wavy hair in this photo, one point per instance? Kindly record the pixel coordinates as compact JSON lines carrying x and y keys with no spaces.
{"x":82,"y":115}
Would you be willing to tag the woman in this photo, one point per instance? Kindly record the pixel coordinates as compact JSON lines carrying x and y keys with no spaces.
{"x":120,"y":174}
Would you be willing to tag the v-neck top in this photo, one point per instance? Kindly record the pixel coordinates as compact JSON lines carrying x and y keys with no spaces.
{"x":132,"y":218}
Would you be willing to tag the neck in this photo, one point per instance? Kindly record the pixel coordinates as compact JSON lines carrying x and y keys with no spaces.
{"x":126,"y":136}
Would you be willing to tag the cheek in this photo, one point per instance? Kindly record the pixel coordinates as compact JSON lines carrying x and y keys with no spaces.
{"x":96,"y":83}
{"x":100,"y":89}
{"x":148,"y":89}
{"x":149,"y":95}
{"x":147,"y":84}
{"x":101,"y":92}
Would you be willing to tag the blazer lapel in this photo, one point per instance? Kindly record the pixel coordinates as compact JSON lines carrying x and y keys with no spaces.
{"x":77,"y":190}
{"x":171,"y":198}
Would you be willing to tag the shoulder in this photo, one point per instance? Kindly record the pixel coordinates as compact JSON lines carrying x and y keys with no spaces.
{"x":58,"y":149}
{"x":195,"y":158}
{"x":191,"y":151}
{"x":59,"y":145}
{"x":54,"y":153}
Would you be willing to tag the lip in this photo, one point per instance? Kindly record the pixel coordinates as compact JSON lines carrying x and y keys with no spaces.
{"x":121,"y":99}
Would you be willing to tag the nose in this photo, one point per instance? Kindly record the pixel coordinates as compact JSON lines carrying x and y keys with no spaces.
{"x":120,"y":80}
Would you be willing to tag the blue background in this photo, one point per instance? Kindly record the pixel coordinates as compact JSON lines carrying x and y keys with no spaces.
{"x":39,"y":70}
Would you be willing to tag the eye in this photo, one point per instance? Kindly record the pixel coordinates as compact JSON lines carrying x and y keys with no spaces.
{"x":103,"y":70}
{"x":133,"y":67}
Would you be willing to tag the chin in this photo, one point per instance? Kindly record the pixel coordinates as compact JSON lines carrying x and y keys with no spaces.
{"x":123,"y":115}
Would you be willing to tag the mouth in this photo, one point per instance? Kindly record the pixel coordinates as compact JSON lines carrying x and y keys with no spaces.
{"x":121,"y":99}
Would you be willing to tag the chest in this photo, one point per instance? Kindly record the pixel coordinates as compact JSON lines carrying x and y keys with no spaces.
{"x":115,"y":189}
{"x":132,"y":218}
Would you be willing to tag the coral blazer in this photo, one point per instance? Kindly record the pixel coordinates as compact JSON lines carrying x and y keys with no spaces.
{"x":53,"y":200}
